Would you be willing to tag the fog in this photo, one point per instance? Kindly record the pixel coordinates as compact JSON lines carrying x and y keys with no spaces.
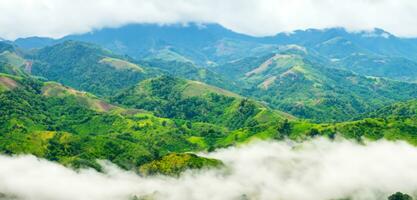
{"x":316,"y":169}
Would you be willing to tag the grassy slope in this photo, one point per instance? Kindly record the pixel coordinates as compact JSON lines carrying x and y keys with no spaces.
{"x":174,"y":64}
{"x":12,"y":58}
{"x":11,"y":61}
{"x":8,"y":82}
{"x":121,"y":64}
{"x":196,"y":88}
{"x":188,"y":100}
{"x":53,"y":89}
{"x":294,"y":84}
{"x":86,"y":67}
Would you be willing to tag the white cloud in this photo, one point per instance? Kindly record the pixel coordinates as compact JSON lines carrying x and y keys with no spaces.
{"x":20,"y":18}
{"x":315,"y":170}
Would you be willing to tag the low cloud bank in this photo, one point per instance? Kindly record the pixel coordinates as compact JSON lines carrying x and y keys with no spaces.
{"x":56,"y":18}
{"x":317,"y":169}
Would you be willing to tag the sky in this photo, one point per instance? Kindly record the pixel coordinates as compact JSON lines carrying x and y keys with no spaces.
{"x":319,"y":169}
{"x":57,"y":18}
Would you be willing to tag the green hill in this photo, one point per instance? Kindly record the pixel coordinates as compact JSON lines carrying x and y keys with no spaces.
{"x":8,"y":82}
{"x":75,"y":128}
{"x":86,"y":67}
{"x":48,"y":120}
{"x":12,"y":58}
{"x":400,"y":109}
{"x":53,"y":89}
{"x":396,"y":68}
{"x":296,"y":80}
{"x":390,"y":128}
{"x":190,"y":100}
{"x":171,"y":63}
{"x":173,"y":164}
{"x":6,"y":47}
{"x":12,"y":61}
{"x":397,"y":121}
{"x":307,"y":88}
{"x":223,"y":92}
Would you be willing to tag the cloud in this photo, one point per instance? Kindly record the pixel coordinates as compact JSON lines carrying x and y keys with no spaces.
{"x":56,"y":18}
{"x":316,"y":170}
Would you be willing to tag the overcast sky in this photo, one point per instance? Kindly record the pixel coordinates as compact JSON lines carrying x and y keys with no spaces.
{"x":55,"y":18}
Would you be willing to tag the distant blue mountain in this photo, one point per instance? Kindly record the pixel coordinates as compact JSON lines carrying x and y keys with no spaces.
{"x":137,"y":39}
{"x":34,"y":42}
{"x":205,"y":45}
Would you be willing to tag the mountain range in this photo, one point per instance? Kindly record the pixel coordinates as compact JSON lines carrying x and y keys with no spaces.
{"x":307,"y":84}
{"x":143,"y":94}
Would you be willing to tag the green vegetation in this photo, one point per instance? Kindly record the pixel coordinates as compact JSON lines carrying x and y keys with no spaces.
{"x":52,"y":89}
{"x":302,"y":86}
{"x":68,"y":126}
{"x":185,"y":69}
{"x":6,"y":68}
{"x":400,"y":109}
{"x":10,"y":61}
{"x":394,"y":122}
{"x":12,"y":58}
{"x":76,"y":128}
{"x":59,"y":128}
{"x":86,"y":67}
{"x":391,"y":126}
{"x":397,"y":68}
{"x":149,"y":115}
{"x":121,"y":64}
{"x":293,"y":79}
{"x":6,"y":47}
{"x":173,"y":164}
{"x":7,"y":83}
{"x":400,"y":196}
{"x":188,"y":100}
{"x":167,"y":55}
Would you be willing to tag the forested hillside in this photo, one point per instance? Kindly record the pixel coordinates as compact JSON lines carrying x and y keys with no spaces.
{"x":75,"y":102}
{"x":86,"y":67}
{"x":306,"y":88}
{"x":76,"y":128}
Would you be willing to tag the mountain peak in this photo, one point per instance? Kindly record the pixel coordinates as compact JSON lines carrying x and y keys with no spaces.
{"x":377,"y":32}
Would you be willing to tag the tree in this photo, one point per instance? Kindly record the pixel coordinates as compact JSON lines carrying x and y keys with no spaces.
{"x":314,"y":132}
{"x":400,"y":196}
{"x":285,"y":128}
